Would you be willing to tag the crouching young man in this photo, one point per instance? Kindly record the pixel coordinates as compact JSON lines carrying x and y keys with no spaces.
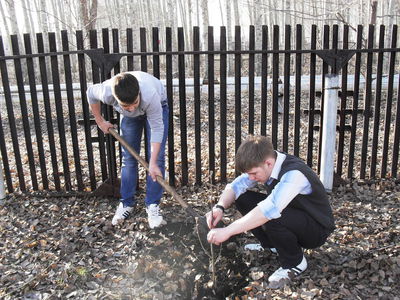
{"x":141,"y":99}
{"x":295,"y":214}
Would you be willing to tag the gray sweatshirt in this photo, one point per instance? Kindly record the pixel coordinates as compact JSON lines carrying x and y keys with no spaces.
{"x":153,"y":97}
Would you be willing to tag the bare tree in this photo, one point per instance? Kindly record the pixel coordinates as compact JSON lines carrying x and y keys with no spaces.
{"x":204,"y":14}
{"x":29,"y":26}
{"x":3,"y":16}
{"x":374,"y":8}
{"x":10,"y":4}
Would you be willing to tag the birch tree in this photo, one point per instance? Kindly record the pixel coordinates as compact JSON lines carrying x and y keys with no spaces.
{"x":3,"y":16}
{"x":29,"y":27}
{"x":204,"y":15}
{"x":236,"y":12}
{"x":10,"y":6}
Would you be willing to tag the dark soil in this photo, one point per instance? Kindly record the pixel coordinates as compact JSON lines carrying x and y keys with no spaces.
{"x":66,"y":248}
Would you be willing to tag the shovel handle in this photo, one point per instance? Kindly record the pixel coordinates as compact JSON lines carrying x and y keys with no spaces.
{"x":159,"y":179}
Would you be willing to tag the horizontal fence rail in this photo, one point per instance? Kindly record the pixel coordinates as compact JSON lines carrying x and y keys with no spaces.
{"x":267,"y":80}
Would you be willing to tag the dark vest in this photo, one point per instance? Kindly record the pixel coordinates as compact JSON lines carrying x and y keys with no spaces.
{"x":315,"y":204}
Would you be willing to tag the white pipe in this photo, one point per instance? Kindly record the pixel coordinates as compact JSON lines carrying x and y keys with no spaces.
{"x":2,"y":189}
{"x":329,"y":131}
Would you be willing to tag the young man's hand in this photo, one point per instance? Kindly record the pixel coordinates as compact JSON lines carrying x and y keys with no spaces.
{"x":218,"y":235}
{"x":154,"y":171}
{"x":105,"y":126}
{"x":213,"y":217}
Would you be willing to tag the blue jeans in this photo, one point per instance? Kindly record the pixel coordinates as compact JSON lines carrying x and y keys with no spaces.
{"x":132,"y":129}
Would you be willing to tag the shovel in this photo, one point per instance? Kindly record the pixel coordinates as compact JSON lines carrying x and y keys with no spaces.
{"x":201,"y":223}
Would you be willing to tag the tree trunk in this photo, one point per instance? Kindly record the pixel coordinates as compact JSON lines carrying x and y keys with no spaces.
{"x":13,"y":16}
{"x":221,"y":10}
{"x":29,"y":28}
{"x":236,"y":11}
{"x":55,"y":16}
{"x":43,"y":18}
{"x":374,"y":8}
{"x":93,"y":14}
{"x":258,"y":16}
{"x":204,"y":15}
{"x":3,"y":16}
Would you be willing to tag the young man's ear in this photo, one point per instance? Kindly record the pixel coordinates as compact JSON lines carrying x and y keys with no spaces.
{"x":269,"y":161}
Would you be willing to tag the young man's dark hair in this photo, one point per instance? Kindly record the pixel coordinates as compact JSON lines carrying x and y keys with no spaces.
{"x":253,"y":152}
{"x":125,"y":88}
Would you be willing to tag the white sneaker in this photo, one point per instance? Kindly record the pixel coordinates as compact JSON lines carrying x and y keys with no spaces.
{"x":258,"y":247}
{"x":154,"y":216}
{"x":288,"y":274}
{"x":122,"y":213}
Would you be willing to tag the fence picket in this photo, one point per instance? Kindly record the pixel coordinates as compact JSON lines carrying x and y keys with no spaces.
{"x":182,"y":106}
{"x":389,"y":102}
{"x":85,"y":110}
{"x":24,"y":111}
{"x":367,"y":103}
{"x":273,"y":121}
{"x":197,"y":103}
{"x":48,"y":111}
{"x":211,"y":105}
{"x":59,"y":110}
{"x":71,"y":111}
{"x":36,"y":111}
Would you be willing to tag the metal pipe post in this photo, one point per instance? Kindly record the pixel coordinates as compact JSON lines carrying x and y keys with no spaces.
{"x":329,"y":131}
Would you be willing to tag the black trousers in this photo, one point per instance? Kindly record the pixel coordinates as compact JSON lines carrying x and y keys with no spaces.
{"x":294,"y":230}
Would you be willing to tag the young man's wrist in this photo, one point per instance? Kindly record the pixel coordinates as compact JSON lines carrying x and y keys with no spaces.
{"x":219,"y":206}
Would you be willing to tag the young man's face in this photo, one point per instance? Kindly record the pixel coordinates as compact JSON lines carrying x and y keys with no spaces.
{"x":261,"y":173}
{"x":131,"y":107}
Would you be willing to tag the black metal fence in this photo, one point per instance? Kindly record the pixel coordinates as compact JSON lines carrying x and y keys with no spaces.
{"x":49,"y":142}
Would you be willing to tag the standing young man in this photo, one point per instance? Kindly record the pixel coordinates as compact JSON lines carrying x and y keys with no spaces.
{"x":295,"y":214}
{"x":141,"y":99}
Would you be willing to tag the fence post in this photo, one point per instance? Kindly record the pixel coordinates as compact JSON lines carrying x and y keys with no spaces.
{"x":329,"y":130}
